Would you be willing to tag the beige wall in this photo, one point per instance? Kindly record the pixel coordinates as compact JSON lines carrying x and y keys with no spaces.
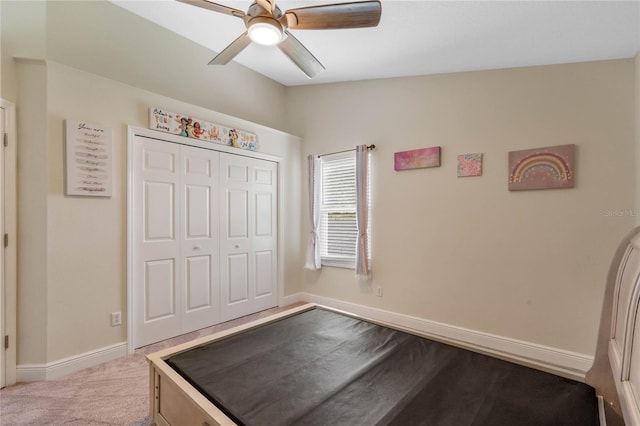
{"x":23,"y":30}
{"x":86,"y":238}
{"x":104,"y":39}
{"x":122,"y":46}
{"x":466,"y":251}
{"x":32,"y":211}
{"x":72,"y":251}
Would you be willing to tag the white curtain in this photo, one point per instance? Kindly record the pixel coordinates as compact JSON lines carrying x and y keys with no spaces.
{"x":313,"y":249}
{"x":362,"y":212}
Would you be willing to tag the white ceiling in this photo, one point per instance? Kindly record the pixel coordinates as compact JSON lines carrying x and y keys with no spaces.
{"x":423,"y":37}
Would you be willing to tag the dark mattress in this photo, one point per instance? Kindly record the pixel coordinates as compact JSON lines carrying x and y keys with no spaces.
{"x":322,"y":368}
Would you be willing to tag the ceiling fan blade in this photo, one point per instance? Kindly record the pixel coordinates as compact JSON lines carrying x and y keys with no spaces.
{"x":209,"y":5}
{"x":299,"y":54}
{"x":232,"y":50}
{"x":267,"y":4}
{"x":334,"y":16}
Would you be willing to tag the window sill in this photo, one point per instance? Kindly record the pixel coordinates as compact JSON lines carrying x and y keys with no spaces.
{"x":338,"y":264}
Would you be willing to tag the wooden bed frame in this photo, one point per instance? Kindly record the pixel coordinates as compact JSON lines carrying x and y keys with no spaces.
{"x":615,"y":374}
{"x":624,"y":345}
{"x":174,"y":401}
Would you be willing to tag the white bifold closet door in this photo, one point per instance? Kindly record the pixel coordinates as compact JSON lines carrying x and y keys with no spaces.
{"x":204,"y":246}
{"x":176,"y":241}
{"x":248,"y":237}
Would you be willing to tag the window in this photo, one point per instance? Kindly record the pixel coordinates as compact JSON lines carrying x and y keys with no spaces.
{"x":338,"y":230}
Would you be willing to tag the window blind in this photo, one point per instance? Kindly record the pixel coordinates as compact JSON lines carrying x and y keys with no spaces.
{"x":338,"y":227}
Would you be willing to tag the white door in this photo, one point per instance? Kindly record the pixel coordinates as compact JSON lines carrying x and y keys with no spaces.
{"x":176,"y":245}
{"x":248,"y":240}
{"x":2,"y":253}
{"x":8,"y":206}
{"x":200,"y":253}
{"x":157,"y":268}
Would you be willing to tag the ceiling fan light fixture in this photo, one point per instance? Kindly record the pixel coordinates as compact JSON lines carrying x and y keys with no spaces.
{"x":265,"y":31}
{"x":267,"y":25}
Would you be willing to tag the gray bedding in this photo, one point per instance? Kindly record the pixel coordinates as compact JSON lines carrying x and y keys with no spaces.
{"x":322,"y":368}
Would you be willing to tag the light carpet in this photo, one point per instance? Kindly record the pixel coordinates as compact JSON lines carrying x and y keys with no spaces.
{"x":113,"y":393}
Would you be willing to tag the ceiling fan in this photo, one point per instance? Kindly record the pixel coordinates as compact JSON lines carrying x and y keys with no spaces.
{"x":268,"y":25}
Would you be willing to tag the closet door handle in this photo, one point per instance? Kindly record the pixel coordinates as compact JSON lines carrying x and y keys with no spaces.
{"x":196,"y":247}
{"x":237,"y":246}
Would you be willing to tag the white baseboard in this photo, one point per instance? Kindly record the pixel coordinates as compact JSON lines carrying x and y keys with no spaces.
{"x":62,"y":367}
{"x":292,"y":298}
{"x":601,"y":414}
{"x":564,"y":363}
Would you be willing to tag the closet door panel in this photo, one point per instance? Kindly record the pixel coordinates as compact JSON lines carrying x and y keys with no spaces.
{"x":235,"y":242}
{"x":238,"y":277}
{"x":159,"y":289}
{"x":159,"y":211}
{"x":200,"y":238}
{"x":204,"y":238}
{"x":238,"y":213}
{"x":265,"y":237}
{"x":248,"y":241}
{"x":198,"y":283}
{"x":264,"y":273}
{"x":264,"y":219}
{"x":198,"y":209}
{"x":156,"y":246}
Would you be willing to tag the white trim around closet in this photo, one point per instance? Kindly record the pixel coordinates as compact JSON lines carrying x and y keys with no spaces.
{"x":132,"y":132}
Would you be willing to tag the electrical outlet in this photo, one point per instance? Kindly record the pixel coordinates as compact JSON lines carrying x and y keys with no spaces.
{"x":116,"y":319}
{"x":379,"y":291}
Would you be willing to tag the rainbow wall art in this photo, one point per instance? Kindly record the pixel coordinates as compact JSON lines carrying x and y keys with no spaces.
{"x":542,"y":168}
{"x":417,"y":158}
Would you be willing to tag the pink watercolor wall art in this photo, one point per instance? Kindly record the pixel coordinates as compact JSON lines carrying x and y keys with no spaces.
{"x":417,"y":159}
{"x":542,"y":168}
{"x":469,"y":165}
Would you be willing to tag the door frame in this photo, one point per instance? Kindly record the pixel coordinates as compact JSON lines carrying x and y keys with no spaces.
{"x":8,"y":284}
{"x":132,"y":132}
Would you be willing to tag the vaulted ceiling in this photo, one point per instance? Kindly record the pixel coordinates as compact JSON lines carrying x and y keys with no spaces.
{"x":422,"y":37}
